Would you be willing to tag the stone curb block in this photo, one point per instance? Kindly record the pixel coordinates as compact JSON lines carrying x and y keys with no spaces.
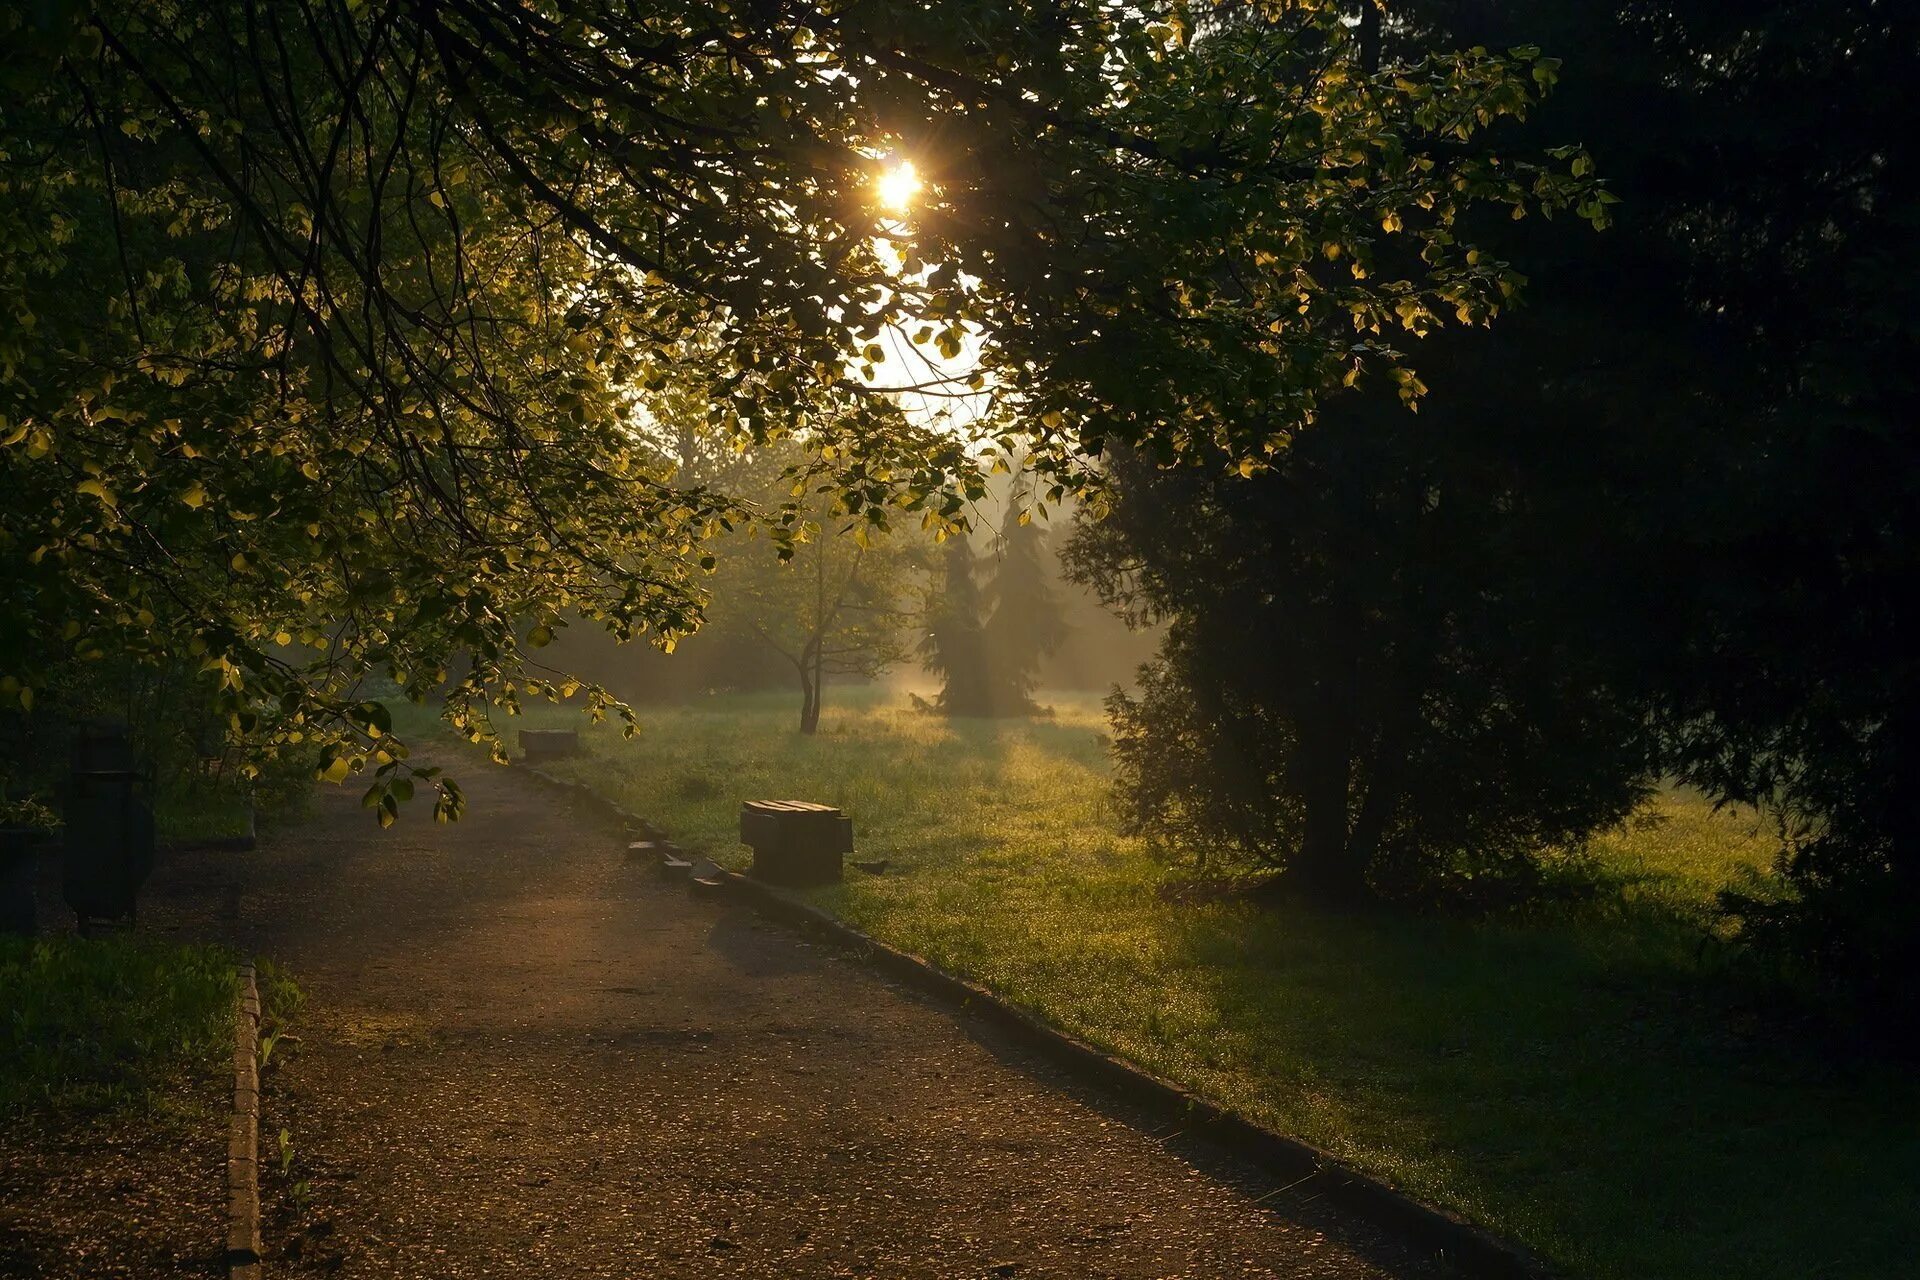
{"x":243,"y":1135}
{"x":1477,"y":1252}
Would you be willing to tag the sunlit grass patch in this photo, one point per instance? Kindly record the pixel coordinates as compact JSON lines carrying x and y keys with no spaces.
{"x":1683,"y":850}
{"x":1591,"y":1075}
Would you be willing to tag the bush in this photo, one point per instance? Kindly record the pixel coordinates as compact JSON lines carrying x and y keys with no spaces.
{"x":1849,"y":866}
{"x":1209,"y":762}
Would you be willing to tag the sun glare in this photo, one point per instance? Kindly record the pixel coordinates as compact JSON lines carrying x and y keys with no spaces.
{"x":897,"y":186}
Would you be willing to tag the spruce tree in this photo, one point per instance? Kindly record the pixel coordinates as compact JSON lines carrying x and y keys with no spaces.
{"x":1026,"y":623}
{"x":955,"y":644}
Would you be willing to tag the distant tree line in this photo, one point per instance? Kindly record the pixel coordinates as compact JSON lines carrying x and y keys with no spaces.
{"x":988,"y":625}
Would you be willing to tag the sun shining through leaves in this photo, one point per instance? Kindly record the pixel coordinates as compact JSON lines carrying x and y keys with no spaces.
{"x":897,"y":186}
{"x":511,"y":456}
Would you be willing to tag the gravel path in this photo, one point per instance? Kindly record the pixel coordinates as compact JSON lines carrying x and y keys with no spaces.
{"x":525,"y":1056}
{"x":134,"y":1198}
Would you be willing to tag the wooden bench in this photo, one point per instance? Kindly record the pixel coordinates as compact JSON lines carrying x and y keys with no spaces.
{"x":795,"y":842}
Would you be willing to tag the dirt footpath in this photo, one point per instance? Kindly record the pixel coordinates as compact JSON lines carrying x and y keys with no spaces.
{"x":525,"y":1056}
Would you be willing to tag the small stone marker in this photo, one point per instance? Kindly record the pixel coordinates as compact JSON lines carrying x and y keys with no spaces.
{"x":795,"y":842}
{"x":706,"y":877}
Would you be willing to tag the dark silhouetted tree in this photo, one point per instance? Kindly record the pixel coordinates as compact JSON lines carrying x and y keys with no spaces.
{"x":1025,"y":624}
{"x":954,"y":647}
{"x":1703,"y":416}
{"x":1375,"y":674}
{"x":1737,"y":362}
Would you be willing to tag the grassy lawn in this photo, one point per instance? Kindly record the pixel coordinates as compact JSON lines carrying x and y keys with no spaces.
{"x":115,"y":1074}
{"x":110,"y":1026}
{"x":1590,"y":1079}
{"x":191,"y":815}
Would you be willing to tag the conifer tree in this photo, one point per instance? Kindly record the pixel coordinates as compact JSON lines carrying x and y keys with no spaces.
{"x":1026,"y":623}
{"x":955,"y":644}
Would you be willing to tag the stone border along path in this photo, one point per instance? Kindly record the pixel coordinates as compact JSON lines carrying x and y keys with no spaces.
{"x":243,"y":1135}
{"x":525,"y":1055}
{"x":1444,"y":1234}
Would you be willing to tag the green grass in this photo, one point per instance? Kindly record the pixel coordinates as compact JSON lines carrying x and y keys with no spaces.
{"x":189,"y":810}
{"x":1589,"y":1078}
{"x":110,"y":1026}
{"x":189,"y":815}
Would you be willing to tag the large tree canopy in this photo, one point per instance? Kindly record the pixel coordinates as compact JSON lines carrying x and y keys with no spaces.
{"x":1671,"y":506}
{"x":330,"y":321}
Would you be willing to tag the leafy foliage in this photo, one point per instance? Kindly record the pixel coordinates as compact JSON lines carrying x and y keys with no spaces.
{"x":1374,"y":676}
{"x":327,"y":319}
{"x":28,"y":814}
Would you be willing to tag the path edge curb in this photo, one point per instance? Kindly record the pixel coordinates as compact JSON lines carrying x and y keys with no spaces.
{"x":243,"y":1133}
{"x":1471,"y":1249}
{"x":1468,"y":1247}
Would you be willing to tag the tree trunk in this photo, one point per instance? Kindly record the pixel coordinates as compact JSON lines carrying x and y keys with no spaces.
{"x":1384,"y":768}
{"x":1377,"y":805}
{"x":811,"y":673}
{"x":1327,"y":865}
{"x":809,"y":668}
{"x":819,"y":679}
{"x":809,"y":702}
{"x":1370,"y":36}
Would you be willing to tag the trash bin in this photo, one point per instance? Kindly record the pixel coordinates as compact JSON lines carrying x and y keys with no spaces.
{"x":109,"y":827}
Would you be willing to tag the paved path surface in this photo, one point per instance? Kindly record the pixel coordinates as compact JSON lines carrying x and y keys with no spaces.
{"x":524,"y":1056}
